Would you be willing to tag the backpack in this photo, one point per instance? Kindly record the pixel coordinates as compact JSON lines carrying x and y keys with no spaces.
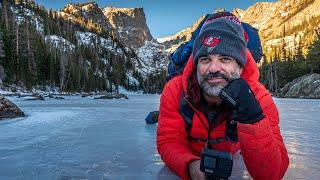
{"x":254,"y":43}
{"x":179,"y":58}
{"x":152,"y":117}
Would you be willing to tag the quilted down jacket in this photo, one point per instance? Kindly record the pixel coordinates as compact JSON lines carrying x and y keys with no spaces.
{"x":261,"y":143}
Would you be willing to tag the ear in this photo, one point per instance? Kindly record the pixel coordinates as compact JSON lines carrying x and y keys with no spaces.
{"x":240,"y":70}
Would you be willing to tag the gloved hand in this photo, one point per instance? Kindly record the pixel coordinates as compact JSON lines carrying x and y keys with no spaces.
{"x":238,"y":96}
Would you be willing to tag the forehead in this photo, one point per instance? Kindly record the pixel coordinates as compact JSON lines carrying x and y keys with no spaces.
{"x":213,"y":56}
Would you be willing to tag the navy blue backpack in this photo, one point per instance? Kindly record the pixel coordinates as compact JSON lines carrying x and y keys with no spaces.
{"x":254,"y":43}
{"x":179,"y":58}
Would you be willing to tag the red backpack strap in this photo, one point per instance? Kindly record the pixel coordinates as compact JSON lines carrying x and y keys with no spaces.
{"x":246,"y":37}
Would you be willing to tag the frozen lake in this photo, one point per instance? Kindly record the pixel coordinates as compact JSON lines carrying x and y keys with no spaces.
{"x":83,"y":138}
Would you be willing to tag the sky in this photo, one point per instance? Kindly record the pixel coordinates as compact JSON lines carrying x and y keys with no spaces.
{"x":164,"y":17}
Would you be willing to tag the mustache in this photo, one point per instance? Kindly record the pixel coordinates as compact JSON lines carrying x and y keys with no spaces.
{"x":215,"y":75}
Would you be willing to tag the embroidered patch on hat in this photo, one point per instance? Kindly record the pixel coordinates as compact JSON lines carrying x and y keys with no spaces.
{"x":211,"y":41}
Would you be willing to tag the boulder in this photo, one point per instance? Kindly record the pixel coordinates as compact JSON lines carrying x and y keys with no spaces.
{"x":9,"y":109}
{"x":112,"y":96}
{"x":86,"y":94}
{"x":307,"y":86}
{"x":34,"y":97}
{"x":55,"y":97}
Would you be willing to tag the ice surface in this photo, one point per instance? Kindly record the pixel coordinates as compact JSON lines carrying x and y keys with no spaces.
{"x":83,"y":138}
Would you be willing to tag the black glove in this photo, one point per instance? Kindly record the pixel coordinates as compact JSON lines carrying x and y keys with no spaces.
{"x":238,"y":96}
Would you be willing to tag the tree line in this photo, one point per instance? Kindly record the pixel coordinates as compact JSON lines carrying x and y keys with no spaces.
{"x":282,"y":65}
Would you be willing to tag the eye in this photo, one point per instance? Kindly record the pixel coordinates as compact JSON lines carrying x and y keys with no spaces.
{"x":226,"y":59}
{"x":204,"y":59}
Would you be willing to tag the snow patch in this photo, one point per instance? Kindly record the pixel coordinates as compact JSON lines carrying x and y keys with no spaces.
{"x":88,"y":62}
{"x":98,"y":73}
{"x":60,"y":42}
{"x":92,"y":39}
{"x":284,"y":14}
{"x":132,"y":80}
{"x":105,"y":61}
{"x":316,"y":81}
{"x":122,"y":90}
{"x":152,"y":58}
{"x":168,"y":38}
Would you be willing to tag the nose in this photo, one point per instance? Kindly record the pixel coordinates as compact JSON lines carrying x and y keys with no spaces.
{"x":215,"y":65}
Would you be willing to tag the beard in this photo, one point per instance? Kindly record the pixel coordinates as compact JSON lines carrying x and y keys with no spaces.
{"x":214,"y":89}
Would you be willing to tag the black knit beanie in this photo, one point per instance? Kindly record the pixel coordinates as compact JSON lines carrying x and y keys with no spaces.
{"x":222,"y":33}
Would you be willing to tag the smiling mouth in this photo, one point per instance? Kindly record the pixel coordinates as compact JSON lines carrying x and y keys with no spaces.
{"x":216,"y":80}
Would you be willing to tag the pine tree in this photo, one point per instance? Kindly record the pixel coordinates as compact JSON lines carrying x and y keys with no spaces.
{"x":4,"y":14}
{"x":314,"y":54}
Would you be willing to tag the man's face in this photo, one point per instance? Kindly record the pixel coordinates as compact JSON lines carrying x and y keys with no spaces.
{"x":215,"y":71}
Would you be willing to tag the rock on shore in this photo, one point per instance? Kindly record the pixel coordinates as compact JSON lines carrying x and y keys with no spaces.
{"x":307,"y":86}
{"x":9,"y":109}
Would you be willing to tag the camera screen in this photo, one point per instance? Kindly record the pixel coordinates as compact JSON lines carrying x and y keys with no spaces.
{"x":210,"y":162}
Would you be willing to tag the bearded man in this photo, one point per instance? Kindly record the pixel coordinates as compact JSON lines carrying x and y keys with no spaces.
{"x":218,"y":107}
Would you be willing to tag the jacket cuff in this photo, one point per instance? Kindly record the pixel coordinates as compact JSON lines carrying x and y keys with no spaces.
{"x":186,"y":175}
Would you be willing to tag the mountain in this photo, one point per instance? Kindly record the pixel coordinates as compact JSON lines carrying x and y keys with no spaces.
{"x":272,"y":17}
{"x":286,"y":23}
{"x":85,"y":12}
{"x":76,"y":49}
{"x":172,"y":42}
{"x":130,"y":25}
{"x":127,"y":24}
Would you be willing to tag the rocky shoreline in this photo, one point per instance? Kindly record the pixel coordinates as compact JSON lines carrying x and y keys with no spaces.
{"x":42,"y":95}
{"x":10,"y":110}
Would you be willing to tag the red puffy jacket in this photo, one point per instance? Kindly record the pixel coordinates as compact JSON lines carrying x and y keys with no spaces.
{"x":261,"y":143}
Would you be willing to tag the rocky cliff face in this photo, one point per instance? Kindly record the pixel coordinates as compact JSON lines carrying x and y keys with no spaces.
{"x":127,"y":24}
{"x":307,"y":86}
{"x":271,"y":17}
{"x":172,"y":42}
{"x":153,"y":58}
{"x":288,"y":22}
{"x":130,"y":25}
{"x":86,"y":12}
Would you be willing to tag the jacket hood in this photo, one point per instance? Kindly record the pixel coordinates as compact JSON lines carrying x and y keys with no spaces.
{"x":191,"y":88}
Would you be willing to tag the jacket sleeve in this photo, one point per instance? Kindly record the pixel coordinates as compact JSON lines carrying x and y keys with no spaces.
{"x":261,"y":143}
{"x":172,"y":143}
